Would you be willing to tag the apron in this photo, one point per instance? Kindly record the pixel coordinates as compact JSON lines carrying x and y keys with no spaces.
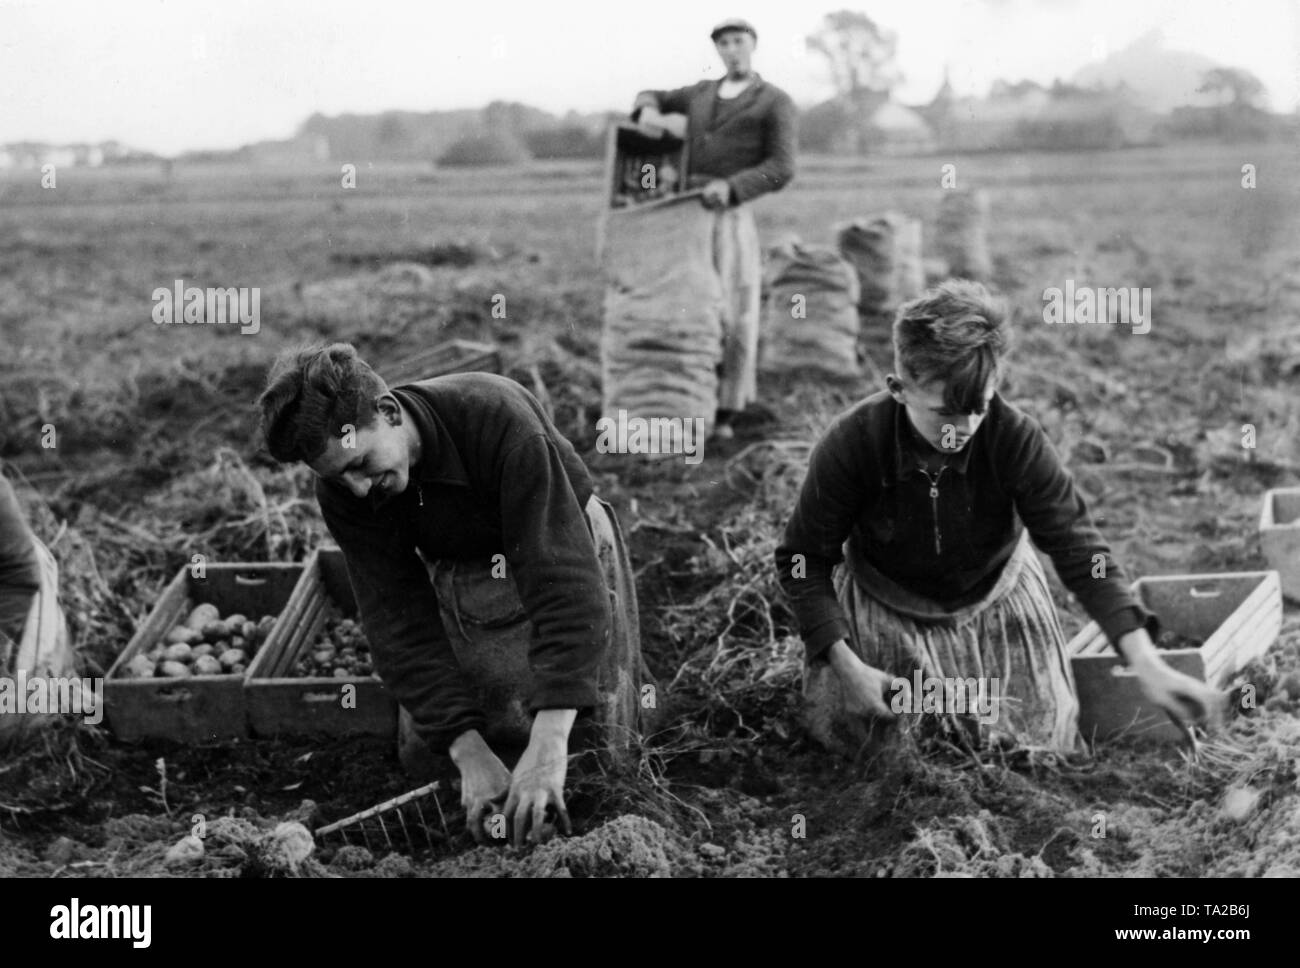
{"x":738,"y":260}
{"x":1011,"y":635}
{"x":490,"y":634}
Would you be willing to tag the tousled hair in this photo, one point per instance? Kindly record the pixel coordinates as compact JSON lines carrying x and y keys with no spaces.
{"x":311,"y":393}
{"x":958,"y":333}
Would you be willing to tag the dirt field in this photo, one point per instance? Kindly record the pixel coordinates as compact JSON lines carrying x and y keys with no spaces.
{"x":157,"y":459}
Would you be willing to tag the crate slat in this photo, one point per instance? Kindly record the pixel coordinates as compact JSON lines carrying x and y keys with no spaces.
{"x":1237,"y":624}
{"x":199,"y":708}
{"x":1279,"y":537}
{"x":282,"y":704}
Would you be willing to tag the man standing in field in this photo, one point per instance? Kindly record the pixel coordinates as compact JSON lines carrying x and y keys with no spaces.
{"x":741,"y":140}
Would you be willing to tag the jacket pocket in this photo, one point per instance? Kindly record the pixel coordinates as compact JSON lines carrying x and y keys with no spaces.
{"x":468,"y":589}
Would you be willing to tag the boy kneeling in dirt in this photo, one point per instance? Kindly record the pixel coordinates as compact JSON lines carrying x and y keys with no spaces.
{"x":909,"y":551}
{"x":493,"y":585}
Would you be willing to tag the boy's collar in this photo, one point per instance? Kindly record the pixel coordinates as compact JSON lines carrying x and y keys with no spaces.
{"x":439,"y":461}
{"x":909,"y":447}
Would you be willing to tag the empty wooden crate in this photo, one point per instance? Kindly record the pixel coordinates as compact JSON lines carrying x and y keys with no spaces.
{"x":1279,"y":536}
{"x":1236,"y":616}
{"x":194,"y":709}
{"x":454,"y":356}
{"x":282,"y":703}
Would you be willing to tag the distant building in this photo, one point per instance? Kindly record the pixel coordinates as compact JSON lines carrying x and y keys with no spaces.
{"x":34,"y":155}
{"x":1029,"y":116}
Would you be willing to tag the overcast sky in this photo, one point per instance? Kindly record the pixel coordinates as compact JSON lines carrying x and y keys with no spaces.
{"x":172,"y":75}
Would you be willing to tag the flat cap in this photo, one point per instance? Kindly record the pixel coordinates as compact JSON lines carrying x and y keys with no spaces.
{"x":733,"y":23}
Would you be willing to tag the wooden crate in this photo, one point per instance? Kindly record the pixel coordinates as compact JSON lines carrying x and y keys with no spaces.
{"x":1238,"y":615}
{"x":280,"y":703}
{"x":629,"y":149}
{"x":1279,"y":536}
{"x":454,"y":356}
{"x":199,"y":708}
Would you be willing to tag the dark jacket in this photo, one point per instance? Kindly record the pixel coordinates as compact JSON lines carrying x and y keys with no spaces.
{"x":20,"y":574}
{"x":749,"y":140}
{"x":495,"y":476}
{"x":864,"y":487}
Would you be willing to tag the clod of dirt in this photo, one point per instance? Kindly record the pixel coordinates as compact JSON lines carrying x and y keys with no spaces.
{"x":188,"y":850}
{"x":627,"y":846}
{"x":1291,"y":686}
{"x":352,"y":857}
{"x":395,"y":865}
{"x":1239,"y":803}
{"x":285,"y":849}
{"x":231,"y":831}
{"x":62,"y":850}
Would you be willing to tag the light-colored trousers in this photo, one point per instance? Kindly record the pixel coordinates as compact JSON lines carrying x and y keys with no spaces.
{"x":738,"y":260}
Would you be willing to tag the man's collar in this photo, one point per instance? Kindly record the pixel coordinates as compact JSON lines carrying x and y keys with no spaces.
{"x":755,"y":79}
{"x":439,"y":461}
{"x":909,"y":447}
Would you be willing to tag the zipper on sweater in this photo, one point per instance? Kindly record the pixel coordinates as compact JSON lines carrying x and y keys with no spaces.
{"x":419,"y":493}
{"x":934,"y":503}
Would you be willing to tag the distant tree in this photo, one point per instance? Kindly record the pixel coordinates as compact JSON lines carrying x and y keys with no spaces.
{"x":569,"y":141}
{"x":1245,"y":90}
{"x":822,"y":127}
{"x":391,"y":132}
{"x":859,"y":53}
{"x":485,"y":150}
{"x":511,"y":117}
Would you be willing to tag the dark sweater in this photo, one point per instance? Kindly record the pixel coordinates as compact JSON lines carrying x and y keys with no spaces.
{"x":748,"y":140}
{"x":20,"y":574}
{"x":864,"y":486}
{"x":495,"y":476}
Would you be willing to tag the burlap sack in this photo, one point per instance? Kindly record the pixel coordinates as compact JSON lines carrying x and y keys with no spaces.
{"x":961,"y":236}
{"x":885,"y":250}
{"x":662,"y":337}
{"x":812,"y":316}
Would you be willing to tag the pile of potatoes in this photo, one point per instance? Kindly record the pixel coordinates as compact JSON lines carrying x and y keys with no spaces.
{"x":339,"y":652}
{"x":204,"y":644}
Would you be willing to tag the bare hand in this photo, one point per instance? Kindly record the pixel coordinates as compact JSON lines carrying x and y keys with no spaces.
{"x":1182,"y":696}
{"x":865,"y":687}
{"x":717,"y":194}
{"x":1178,"y":694}
{"x":538,"y":781}
{"x":484,"y":781}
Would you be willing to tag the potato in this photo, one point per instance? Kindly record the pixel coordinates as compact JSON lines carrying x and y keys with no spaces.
{"x":236,"y":620}
{"x":214,"y":631}
{"x":206,"y":665}
{"x":249,"y":631}
{"x":238,"y":642}
{"x":180,"y":652}
{"x":341,"y":673}
{"x":231,"y":658}
{"x":202,"y":649}
{"x":140,"y":667}
{"x":237,"y":668}
{"x":202,"y":615}
{"x":183,"y":635}
{"x":156,"y":653}
{"x":174,"y":670}
{"x":323,"y":656}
